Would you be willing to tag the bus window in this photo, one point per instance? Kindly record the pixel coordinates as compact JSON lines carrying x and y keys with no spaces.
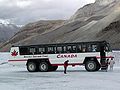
{"x":107,"y":48}
{"x":64,"y":49}
{"x":74,"y":49}
{"x":41,"y":50}
{"x":69,"y":49}
{"x":24,"y":51}
{"x":59,"y":49}
{"x":79,"y":48}
{"x":84,"y":48}
{"x":51,"y":50}
{"x":89,"y":49}
{"x":94,"y":48}
{"x":32,"y":50}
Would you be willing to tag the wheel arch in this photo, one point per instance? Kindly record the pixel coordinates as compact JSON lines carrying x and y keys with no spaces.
{"x":38,"y":60}
{"x":92,"y":59}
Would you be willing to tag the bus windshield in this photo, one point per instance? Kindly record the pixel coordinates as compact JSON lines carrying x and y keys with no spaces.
{"x":107,"y":48}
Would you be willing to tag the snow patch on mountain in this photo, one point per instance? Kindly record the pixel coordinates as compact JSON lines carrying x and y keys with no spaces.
{"x":5,"y":22}
{"x":7,"y":30}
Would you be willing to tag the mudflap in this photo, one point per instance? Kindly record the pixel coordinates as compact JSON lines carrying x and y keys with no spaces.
{"x":104,"y":68}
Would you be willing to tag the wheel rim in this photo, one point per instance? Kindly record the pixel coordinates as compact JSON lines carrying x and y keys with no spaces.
{"x":43,"y":67}
{"x":31,"y":67}
{"x":91,"y":66}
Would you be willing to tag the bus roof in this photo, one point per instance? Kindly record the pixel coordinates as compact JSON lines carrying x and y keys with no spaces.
{"x":94,"y":42}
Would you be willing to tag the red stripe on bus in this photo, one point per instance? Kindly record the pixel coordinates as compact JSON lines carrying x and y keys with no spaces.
{"x":73,"y":64}
{"x":106,"y":57}
{"x":16,"y":60}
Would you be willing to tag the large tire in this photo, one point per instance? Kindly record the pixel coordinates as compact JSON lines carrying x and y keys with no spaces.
{"x":98,"y":67}
{"x":31,"y":66}
{"x":43,"y":66}
{"x":91,"y":66}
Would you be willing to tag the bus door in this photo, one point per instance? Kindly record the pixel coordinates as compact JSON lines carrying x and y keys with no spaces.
{"x":103,"y":56}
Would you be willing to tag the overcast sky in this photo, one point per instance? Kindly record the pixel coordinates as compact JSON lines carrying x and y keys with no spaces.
{"x":25,"y":11}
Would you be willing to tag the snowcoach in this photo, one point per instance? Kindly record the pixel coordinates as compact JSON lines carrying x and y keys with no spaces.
{"x":47,"y":57}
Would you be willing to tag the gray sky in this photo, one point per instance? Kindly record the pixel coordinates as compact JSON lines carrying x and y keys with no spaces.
{"x":25,"y":11}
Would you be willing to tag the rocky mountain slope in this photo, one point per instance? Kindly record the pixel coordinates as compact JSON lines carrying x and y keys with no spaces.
{"x":31,"y":30}
{"x":96,"y":21}
{"x":7,"y":30}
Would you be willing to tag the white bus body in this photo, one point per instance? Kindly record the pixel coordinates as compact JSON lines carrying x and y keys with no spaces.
{"x":57,"y":59}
